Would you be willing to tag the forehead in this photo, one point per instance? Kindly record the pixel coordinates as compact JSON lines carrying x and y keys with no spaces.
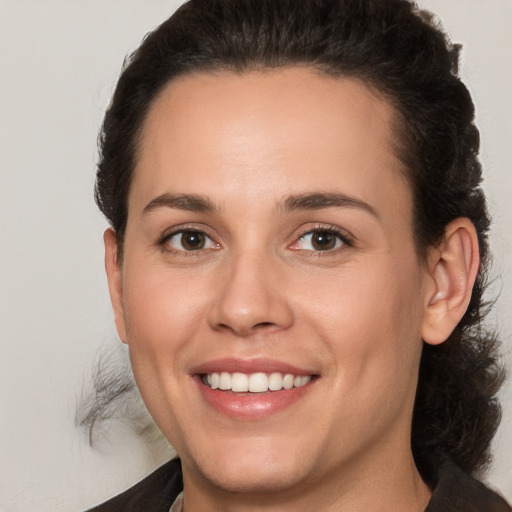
{"x":293,"y":127}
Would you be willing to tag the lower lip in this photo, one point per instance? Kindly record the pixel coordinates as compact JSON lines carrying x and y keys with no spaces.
{"x":251,"y":406}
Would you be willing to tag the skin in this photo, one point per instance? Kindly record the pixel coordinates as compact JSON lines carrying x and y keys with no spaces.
{"x":354,"y":316}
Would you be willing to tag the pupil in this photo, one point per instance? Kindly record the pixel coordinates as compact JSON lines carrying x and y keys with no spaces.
{"x":192,"y":240}
{"x":323,"y":240}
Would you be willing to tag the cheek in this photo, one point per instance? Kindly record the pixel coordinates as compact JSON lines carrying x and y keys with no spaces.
{"x":370,"y":327}
{"x":370,"y":316}
{"x":163,"y":309}
{"x":163,"y":314}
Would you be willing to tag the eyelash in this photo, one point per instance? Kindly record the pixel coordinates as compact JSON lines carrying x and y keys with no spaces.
{"x":164,"y":241}
{"x":342,"y":236}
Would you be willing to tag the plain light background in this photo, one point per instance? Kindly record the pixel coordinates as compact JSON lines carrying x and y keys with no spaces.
{"x":59,"y":60}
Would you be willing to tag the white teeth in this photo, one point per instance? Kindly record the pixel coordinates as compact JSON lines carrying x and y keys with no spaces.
{"x":258,"y":383}
{"x":214,"y":380}
{"x":288,"y":381}
{"x":275,"y":381}
{"x":254,"y":382}
{"x":240,"y":382}
{"x":225,"y":381}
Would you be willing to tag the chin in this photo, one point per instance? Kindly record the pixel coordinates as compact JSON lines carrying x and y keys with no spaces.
{"x":253,"y":470}
{"x":256,"y":479}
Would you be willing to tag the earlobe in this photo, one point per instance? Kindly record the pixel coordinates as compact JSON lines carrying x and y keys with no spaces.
{"x":453,"y":268}
{"x":114,"y":278}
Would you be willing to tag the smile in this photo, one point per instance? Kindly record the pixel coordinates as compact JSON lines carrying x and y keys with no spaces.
{"x":259,"y":382}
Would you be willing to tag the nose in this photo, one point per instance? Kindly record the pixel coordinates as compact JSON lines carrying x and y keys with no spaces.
{"x":251,"y":297}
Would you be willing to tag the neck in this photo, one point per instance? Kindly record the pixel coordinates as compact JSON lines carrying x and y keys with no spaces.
{"x":386,"y":483}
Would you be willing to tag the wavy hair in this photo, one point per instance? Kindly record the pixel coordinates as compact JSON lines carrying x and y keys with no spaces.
{"x":401,"y":52}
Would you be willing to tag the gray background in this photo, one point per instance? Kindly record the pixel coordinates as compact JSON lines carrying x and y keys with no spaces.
{"x":59,"y":60}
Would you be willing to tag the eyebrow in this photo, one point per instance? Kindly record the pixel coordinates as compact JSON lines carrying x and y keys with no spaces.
{"x":306,"y":201}
{"x":188,"y":202}
{"x":319,"y":200}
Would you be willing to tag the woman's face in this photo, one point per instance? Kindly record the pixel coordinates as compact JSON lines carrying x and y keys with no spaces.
{"x":269,"y":243}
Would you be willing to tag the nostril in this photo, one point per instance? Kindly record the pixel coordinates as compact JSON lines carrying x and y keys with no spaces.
{"x":246,"y":330}
{"x":264,"y":324}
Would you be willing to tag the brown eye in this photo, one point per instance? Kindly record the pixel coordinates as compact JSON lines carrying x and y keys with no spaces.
{"x":320,"y":240}
{"x":190,"y":240}
{"x":323,"y":240}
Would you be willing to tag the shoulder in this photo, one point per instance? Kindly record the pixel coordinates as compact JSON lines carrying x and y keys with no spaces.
{"x":155,"y":493}
{"x":456,"y":490}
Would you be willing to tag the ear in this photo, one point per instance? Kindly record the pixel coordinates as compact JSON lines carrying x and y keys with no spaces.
{"x":114,"y":278}
{"x":453,"y":267}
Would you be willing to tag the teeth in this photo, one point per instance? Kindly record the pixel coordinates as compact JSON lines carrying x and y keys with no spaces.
{"x":288,"y":381}
{"x":225,"y":381}
{"x":254,"y":382}
{"x":214,"y":380}
{"x":258,"y":383}
{"x":275,"y":381}
{"x":239,"y":382}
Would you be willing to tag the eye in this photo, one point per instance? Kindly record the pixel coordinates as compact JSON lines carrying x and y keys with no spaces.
{"x":320,"y":240}
{"x":189,"y":240}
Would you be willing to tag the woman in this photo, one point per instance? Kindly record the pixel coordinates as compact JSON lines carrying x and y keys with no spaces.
{"x":297,"y":259}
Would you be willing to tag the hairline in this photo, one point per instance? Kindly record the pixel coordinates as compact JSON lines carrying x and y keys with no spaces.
{"x":397,"y":126}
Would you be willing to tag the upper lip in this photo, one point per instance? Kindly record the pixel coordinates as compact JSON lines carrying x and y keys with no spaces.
{"x":254,"y":365}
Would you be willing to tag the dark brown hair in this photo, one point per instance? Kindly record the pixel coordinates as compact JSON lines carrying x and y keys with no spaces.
{"x":401,"y":52}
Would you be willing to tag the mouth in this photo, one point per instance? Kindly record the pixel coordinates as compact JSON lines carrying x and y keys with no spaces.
{"x":258,"y":382}
{"x":252,"y":389}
